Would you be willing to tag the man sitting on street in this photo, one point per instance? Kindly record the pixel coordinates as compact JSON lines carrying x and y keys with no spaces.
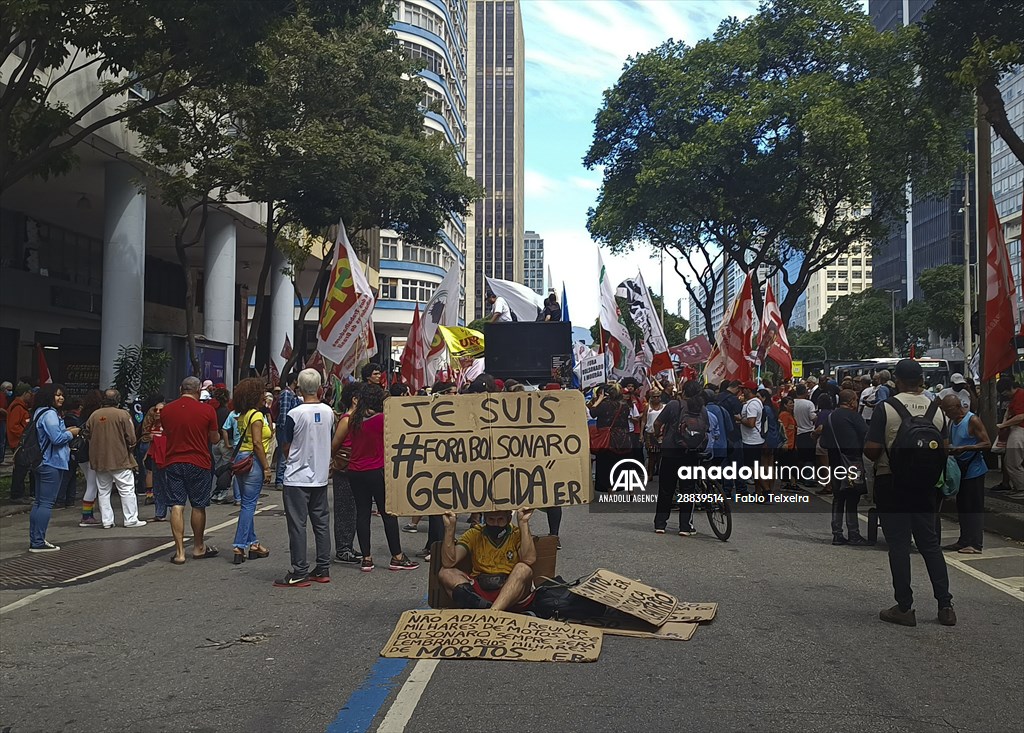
{"x":502,"y":555}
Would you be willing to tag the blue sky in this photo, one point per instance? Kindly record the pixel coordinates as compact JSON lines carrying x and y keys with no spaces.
{"x":575,"y":49}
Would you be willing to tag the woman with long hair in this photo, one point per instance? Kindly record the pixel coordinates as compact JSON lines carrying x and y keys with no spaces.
{"x":253,"y":426}
{"x":145,"y":478}
{"x":153,"y":435}
{"x":610,"y":411}
{"x":344,"y":503}
{"x":91,"y":402}
{"x":54,"y":438}
{"x":366,"y":473}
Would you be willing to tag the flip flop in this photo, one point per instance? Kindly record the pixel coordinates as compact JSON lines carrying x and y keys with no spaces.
{"x":176,"y":562}
{"x":969,"y":551}
{"x":210,"y":552}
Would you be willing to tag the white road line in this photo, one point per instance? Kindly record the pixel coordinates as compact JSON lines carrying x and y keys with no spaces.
{"x":408,"y":697}
{"x":960,"y":565}
{"x":21,"y":603}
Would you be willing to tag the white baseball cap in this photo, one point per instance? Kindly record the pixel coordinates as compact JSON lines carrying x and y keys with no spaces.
{"x":204,"y":396}
{"x":957,"y":379}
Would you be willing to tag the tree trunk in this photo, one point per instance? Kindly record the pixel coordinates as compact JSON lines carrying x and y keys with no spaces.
{"x":257,"y":312}
{"x":180,"y":247}
{"x":995,"y":113}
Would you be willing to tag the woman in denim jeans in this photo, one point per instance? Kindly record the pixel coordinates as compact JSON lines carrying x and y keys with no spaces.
{"x":54,"y":438}
{"x":256,"y":435}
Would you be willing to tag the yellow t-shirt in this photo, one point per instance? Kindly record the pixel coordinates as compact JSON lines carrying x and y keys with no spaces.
{"x":253,"y":417}
{"x":488,"y":558}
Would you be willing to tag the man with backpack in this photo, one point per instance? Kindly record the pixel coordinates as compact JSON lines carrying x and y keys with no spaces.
{"x":907,"y":441}
{"x":686,"y":429}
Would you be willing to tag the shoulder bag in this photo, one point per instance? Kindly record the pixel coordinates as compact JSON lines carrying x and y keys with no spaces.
{"x":226,"y":471}
{"x":601,"y":438}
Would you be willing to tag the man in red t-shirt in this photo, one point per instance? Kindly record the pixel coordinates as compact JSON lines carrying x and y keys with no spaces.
{"x":190,"y":427}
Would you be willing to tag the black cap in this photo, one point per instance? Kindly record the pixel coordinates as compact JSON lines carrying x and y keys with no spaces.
{"x":908,"y":370}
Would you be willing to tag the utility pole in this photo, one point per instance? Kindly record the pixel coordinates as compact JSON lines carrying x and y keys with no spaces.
{"x":968,"y":336}
{"x":892,"y":295}
{"x":983,"y":187}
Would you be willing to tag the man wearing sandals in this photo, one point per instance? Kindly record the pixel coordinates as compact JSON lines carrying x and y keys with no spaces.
{"x":190,"y":427}
{"x":502,"y":554}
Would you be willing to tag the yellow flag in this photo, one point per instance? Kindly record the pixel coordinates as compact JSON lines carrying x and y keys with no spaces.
{"x":463,"y":343}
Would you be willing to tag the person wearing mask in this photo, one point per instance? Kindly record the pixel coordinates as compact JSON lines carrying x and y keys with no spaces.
{"x":111,"y":433}
{"x":843,"y":433}
{"x":968,"y":440}
{"x":54,"y":438}
{"x":19,"y":412}
{"x":306,"y":449}
{"x":366,"y":472}
{"x":610,"y":411}
{"x":254,"y":427}
{"x":907,"y":510}
{"x":344,"y":503}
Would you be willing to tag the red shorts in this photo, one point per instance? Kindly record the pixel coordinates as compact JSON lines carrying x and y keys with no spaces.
{"x":492,"y":596}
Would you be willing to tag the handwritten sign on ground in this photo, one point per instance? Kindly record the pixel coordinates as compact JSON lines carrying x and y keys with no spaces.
{"x":629,"y":596}
{"x":669,"y":630}
{"x":485,"y":452}
{"x":464,"y":634}
{"x":693,"y":612}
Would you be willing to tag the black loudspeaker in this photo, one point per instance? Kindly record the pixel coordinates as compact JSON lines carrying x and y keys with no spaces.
{"x":531,"y":352}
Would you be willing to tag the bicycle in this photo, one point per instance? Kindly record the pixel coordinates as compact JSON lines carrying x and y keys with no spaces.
{"x":710,"y":498}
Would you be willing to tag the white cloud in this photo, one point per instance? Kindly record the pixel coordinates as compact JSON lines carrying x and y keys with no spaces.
{"x":587,"y":184}
{"x":537,"y":184}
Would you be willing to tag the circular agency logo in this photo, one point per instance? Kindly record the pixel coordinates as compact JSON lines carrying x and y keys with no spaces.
{"x":629,"y":475}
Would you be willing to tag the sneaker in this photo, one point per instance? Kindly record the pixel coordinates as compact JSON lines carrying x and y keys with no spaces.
{"x":136,"y":523}
{"x":108,"y":526}
{"x":465,"y":597}
{"x":947,"y":616}
{"x":348,"y":556}
{"x":895,"y":615}
{"x":45,"y":547}
{"x":659,"y":531}
{"x":291,"y":580}
{"x":425,"y":554}
{"x":402,"y":563}
{"x":687,"y":531}
{"x":838,"y":539}
{"x":858,"y":541}
{"x":366,"y":565}
{"x":321,"y":575}
{"x":411,"y":528}
{"x":89,"y":521}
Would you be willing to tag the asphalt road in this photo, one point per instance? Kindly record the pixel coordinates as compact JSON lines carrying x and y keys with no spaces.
{"x":796,"y":645}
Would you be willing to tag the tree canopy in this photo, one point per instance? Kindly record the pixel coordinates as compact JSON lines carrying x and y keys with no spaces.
{"x":794,"y":131}
{"x":963,"y":49}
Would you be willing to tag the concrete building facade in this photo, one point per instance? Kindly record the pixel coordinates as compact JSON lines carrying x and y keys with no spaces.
{"x":533,"y":262}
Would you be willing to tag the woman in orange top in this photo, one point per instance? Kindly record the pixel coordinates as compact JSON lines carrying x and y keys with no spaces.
{"x":787,"y":447}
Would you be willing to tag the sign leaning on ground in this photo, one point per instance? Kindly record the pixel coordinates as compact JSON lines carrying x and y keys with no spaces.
{"x":629,"y":596}
{"x":463,"y":634}
{"x":485,"y":452}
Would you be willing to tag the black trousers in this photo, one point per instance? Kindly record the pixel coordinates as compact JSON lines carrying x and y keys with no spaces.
{"x":805,"y":449}
{"x":344,"y":513}
{"x":18,"y":476}
{"x":900,"y":517}
{"x":554,"y":519}
{"x":844,"y":507}
{"x":605,"y":461}
{"x":367,"y":488}
{"x":668,"y":485}
{"x":970,"y":511}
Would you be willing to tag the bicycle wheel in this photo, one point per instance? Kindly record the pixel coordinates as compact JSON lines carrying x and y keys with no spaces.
{"x":720,"y":518}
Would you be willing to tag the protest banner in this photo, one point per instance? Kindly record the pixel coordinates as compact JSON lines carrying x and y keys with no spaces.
{"x":465,"y":634}
{"x":693,"y":612}
{"x":670,"y":630}
{"x":629,"y":596}
{"x":485,"y":452}
{"x":591,"y":370}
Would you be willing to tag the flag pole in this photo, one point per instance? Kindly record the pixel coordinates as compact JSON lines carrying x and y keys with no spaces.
{"x":983,"y":191}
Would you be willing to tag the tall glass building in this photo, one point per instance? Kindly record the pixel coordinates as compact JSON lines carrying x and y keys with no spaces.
{"x":533,"y":262}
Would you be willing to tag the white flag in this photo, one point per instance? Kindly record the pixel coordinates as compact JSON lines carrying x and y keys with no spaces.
{"x":646,"y":318}
{"x":348,"y":306}
{"x":523,"y":301}
{"x":621,"y":347}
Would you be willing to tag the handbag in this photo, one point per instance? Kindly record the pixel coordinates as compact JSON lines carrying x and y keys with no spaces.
{"x":339,"y":461}
{"x":951,"y":478}
{"x":611,"y":439}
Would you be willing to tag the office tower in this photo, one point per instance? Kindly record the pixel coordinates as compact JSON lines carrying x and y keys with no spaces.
{"x":533,"y":262}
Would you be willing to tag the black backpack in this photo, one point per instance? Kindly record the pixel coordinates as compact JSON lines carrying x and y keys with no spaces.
{"x":691,"y":434}
{"x":918,"y":454}
{"x":30,"y":454}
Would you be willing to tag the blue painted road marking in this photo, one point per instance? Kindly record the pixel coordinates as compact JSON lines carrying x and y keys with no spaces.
{"x":364,"y":704}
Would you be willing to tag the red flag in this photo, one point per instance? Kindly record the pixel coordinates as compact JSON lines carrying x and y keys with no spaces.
{"x":772,"y":342}
{"x":695,"y":351}
{"x":413,"y":359}
{"x":275,"y":375}
{"x":316,"y":361}
{"x":1001,"y":306}
{"x":913,"y":351}
{"x":731,"y":358}
{"x":44,"y":371}
{"x":286,"y":352}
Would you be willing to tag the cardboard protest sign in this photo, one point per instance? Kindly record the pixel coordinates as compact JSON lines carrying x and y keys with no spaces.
{"x":485,"y":452}
{"x":591,"y":370}
{"x":629,"y":596}
{"x":465,"y":634}
{"x":669,"y":630}
{"x":693,"y":612}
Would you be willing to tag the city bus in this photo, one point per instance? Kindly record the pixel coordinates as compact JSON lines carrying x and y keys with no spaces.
{"x":936,"y":371}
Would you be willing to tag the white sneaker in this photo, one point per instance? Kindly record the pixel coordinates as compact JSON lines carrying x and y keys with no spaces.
{"x":136,"y":523}
{"x":47,"y":547}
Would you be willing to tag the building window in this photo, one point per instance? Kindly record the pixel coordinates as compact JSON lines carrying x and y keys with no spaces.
{"x":856,"y":262}
{"x":388,"y":248}
{"x":843,"y":287}
{"x":832,"y":287}
{"x":420,"y":253}
{"x":388,"y":288}
{"x":831,"y":299}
